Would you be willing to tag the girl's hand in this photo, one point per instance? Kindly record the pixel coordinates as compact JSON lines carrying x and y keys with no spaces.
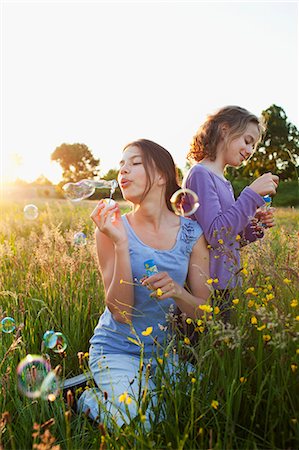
{"x":266,"y":218}
{"x":108,"y":220}
{"x":265,"y":184}
{"x":163,"y":286}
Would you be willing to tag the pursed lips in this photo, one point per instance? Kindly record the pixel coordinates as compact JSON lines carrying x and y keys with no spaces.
{"x":124,"y":182}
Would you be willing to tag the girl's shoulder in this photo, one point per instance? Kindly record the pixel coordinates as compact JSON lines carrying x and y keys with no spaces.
{"x":190,"y":229}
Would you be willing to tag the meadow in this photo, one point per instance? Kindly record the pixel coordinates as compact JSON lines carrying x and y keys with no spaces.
{"x":243,"y":390}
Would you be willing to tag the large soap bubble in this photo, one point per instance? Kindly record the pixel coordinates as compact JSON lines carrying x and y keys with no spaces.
{"x":80,"y":238}
{"x":85,"y":188}
{"x":31,"y":372}
{"x":184,"y":202}
{"x":30,"y":212}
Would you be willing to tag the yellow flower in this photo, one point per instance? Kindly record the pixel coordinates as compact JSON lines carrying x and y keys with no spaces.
{"x":235,"y":301}
{"x":187,"y":341}
{"x":147,"y":332}
{"x":220,"y":241}
{"x":188,"y":320}
{"x":253,"y":320}
{"x":238,"y":237}
{"x":209,"y":246}
{"x":121,"y":281}
{"x":210,"y":281}
{"x":206,"y":308}
{"x":294,"y":367}
{"x":214,"y":404}
{"x":251,"y":303}
{"x":143,"y":418}
{"x":269,"y":296}
{"x":216,"y":310}
{"x":124,"y":398}
{"x":216,"y":280}
{"x":160,"y":360}
{"x":217,"y":257}
{"x":250,"y":290}
{"x":193,"y":380}
{"x":294,"y":303}
{"x":243,"y":379}
{"x":269,"y":286}
{"x":267,"y":278}
{"x":287,"y":281}
{"x":159,"y":292}
{"x":297,"y":351}
{"x":267,"y":337}
{"x":199,"y":322}
{"x":201,"y":329}
{"x":262,"y":327}
{"x":297,"y":318}
{"x":244,"y":271}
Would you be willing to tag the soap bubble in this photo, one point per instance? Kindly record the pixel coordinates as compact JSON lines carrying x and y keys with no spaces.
{"x":80,"y":238}
{"x":55,"y":341}
{"x":50,"y":387}
{"x":85,"y":188}
{"x":7,"y":325}
{"x":30,"y":212}
{"x":184,"y":202}
{"x":31,"y":372}
{"x":78,"y":191}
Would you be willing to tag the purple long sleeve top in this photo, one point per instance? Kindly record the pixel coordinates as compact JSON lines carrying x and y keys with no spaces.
{"x":224,"y":220}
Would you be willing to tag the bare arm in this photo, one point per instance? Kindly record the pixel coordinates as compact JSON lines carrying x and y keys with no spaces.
{"x":114,"y":261}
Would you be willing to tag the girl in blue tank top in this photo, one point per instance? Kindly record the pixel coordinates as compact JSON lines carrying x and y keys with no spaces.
{"x":145,"y":258}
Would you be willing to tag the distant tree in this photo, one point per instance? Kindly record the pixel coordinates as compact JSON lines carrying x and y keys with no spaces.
{"x":77,"y":162}
{"x":278,"y":152}
{"x":111,"y":175}
{"x":41,"y":181}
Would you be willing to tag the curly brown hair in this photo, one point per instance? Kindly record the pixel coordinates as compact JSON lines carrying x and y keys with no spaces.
{"x":204,"y":143}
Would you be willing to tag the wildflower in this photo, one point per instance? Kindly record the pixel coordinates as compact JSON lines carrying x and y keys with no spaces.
{"x":250,"y":290}
{"x":220,"y":241}
{"x":124,"y":398}
{"x":235,"y":301}
{"x":187,"y":341}
{"x":269,"y":287}
{"x":199,"y":322}
{"x":209,"y":246}
{"x":201,"y":329}
{"x":267,"y":278}
{"x":244,"y":271}
{"x":206,"y":308}
{"x":294,"y":303}
{"x":214,"y":404}
{"x":216,"y":280}
{"x":193,"y":380}
{"x":188,"y":320}
{"x":243,"y":379}
{"x":253,"y":320}
{"x":159,"y":292}
{"x":262,"y":327}
{"x":287,"y":281}
{"x":297,"y":351}
{"x":294,"y":367}
{"x":160,"y":360}
{"x":217,"y":257}
{"x":297,"y":318}
{"x":216,"y":310}
{"x":121,"y":281}
{"x":267,"y":337}
{"x":210,"y":281}
{"x":251,"y":303}
{"x":147,"y":332}
{"x":269,"y":296}
{"x":238,"y":237}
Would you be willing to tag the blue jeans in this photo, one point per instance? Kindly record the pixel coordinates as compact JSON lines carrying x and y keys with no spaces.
{"x":116,"y":374}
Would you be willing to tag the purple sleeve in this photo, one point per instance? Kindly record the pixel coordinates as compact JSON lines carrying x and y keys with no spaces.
{"x":214,"y":222}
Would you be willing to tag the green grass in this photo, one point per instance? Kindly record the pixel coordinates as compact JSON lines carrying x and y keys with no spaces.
{"x":47,"y":282}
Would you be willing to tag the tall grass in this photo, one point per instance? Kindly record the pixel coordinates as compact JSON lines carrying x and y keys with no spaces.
{"x":242,"y":391}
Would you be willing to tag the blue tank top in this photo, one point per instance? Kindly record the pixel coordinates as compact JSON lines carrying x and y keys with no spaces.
{"x":114,"y":337}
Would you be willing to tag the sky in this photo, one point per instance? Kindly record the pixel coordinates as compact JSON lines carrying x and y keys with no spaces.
{"x":107,"y":73}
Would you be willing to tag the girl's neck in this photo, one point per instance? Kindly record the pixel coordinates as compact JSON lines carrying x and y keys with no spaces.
{"x":216,"y":166}
{"x":151,"y":216}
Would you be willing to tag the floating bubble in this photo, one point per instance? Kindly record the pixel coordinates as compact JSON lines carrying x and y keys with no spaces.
{"x":85,"y":188}
{"x":31,"y":372}
{"x":184,"y":202}
{"x":80,"y":238}
{"x":7,"y":325}
{"x":30,"y":212}
{"x":55,"y":341}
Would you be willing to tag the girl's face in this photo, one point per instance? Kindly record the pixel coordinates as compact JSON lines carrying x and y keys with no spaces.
{"x":242,"y":147}
{"x":132,"y":177}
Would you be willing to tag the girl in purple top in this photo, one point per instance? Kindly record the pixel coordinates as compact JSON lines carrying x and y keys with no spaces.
{"x":227,"y":138}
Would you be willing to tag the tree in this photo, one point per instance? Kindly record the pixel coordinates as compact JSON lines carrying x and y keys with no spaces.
{"x":278,"y":152}
{"x":111,"y":175}
{"x":76,"y":161}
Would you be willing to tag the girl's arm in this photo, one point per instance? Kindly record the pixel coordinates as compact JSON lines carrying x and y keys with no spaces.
{"x":114,"y":260}
{"x":198,"y":274}
{"x":215,"y":223}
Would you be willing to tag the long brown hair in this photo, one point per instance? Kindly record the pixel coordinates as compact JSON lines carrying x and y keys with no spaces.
{"x":205,"y":141}
{"x":155,"y":157}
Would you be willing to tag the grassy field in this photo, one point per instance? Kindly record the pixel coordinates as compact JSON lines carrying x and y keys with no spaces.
{"x":244,"y":390}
